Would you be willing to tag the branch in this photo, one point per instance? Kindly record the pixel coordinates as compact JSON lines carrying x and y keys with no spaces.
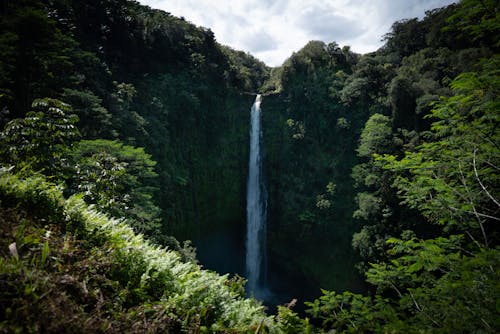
{"x":420,"y":309}
{"x":479,"y":180}
{"x":472,"y":205}
{"x":475,"y":213}
{"x":475,"y":242}
{"x":395,"y":288}
{"x":492,"y":165}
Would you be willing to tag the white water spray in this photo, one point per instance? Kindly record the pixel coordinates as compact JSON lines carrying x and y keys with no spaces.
{"x":256,"y":209}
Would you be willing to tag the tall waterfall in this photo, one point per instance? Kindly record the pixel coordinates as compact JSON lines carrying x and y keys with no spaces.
{"x":256,"y":209}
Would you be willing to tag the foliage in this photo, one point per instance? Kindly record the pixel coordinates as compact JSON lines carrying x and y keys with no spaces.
{"x":94,"y":119}
{"x":418,"y":70}
{"x":38,"y":59}
{"x":376,"y":201}
{"x":101,"y":276}
{"x":290,"y":322}
{"x":146,"y":78}
{"x":453,"y":179}
{"x":351,"y":313}
{"x":40,"y":140}
{"x":375,"y":137}
{"x":306,"y":154}
{"x":119,"y":179}
{"x":423,"y":156}
{"x":245,"y":72}
{"x":425,"y":275}
{"x":477,"y":21}
{"x":368,"y":83}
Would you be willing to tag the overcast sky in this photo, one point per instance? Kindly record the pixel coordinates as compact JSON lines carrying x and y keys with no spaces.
{"x":272,"y":29}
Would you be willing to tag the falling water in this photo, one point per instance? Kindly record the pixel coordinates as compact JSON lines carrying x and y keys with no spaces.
{"x":256,"y":209}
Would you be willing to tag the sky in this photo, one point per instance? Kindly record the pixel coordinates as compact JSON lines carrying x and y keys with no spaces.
{"x":272,"y":29}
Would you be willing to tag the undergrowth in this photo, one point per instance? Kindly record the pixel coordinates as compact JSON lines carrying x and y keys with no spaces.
{"x":66,"y":268}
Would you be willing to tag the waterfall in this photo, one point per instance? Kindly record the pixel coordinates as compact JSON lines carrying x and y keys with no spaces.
{"x":256,"y":209}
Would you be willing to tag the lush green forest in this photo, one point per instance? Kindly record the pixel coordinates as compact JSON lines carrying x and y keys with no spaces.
{"x":124,"y":134}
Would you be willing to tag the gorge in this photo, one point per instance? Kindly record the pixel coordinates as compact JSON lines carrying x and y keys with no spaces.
{"x":138,"y":194}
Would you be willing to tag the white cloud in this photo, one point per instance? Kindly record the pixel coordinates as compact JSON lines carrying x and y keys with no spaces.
{"x":272,"y":29}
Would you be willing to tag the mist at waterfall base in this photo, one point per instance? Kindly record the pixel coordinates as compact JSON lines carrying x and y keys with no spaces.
{"x":240,"y":247}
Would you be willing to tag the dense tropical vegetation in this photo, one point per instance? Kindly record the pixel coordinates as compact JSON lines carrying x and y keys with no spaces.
{"x":123,"y":132}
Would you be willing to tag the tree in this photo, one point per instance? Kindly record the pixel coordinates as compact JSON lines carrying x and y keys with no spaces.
{"x":376,"y":136}
{"x":447,"y":283}
{"x":37,"y":58}
{"x":406,"y":37}
{"x":368,"y":83}
{"x":119,"y":179}
{"x":42,"y":139}
{"x":377,"y":204}
{"x":453,"y":179}
{"x":94,"y":119}
{"x":479,"y":21}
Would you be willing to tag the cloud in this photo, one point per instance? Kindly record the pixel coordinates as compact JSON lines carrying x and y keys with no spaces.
{"x":272,"y":29}
{"x":259,"y":41}
{"x":323,"y":23}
